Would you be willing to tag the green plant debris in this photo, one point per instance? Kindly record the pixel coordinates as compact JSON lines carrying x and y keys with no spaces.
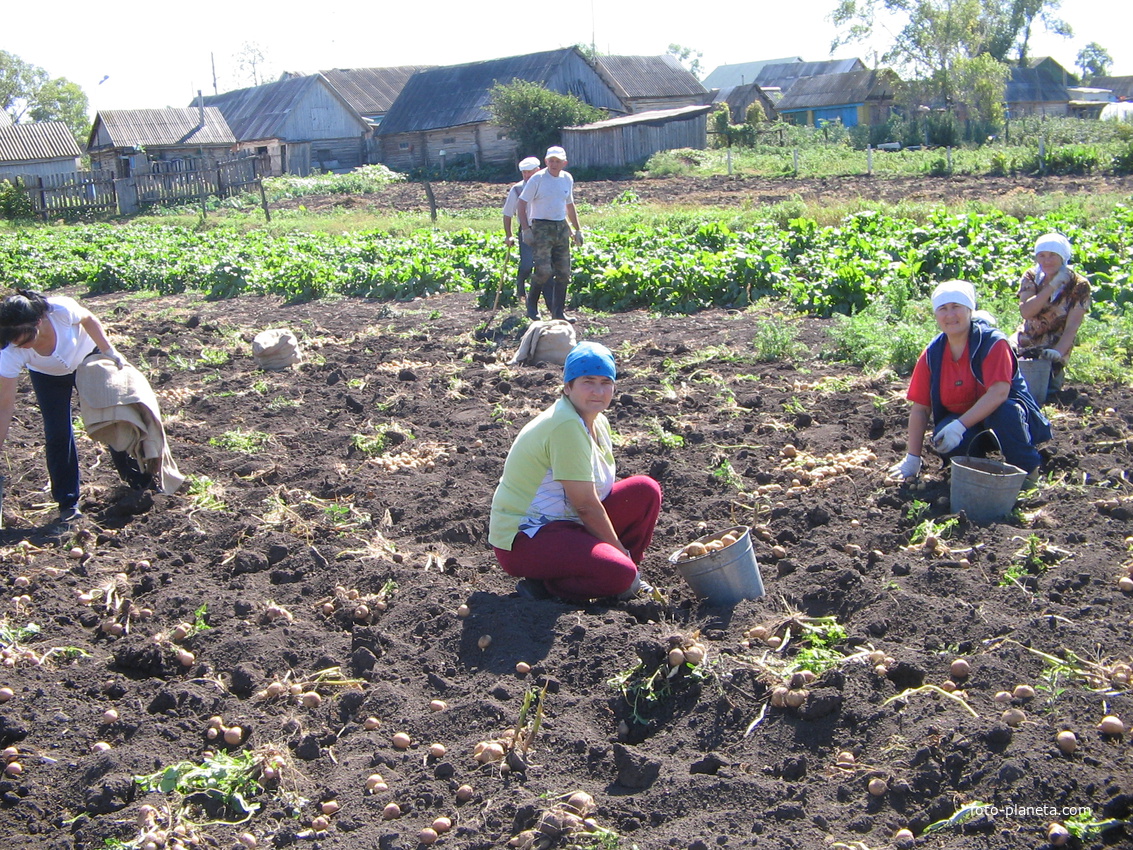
{"x":959,"y":818}
{"x":924,"y":689}
{"x":239,"y":440}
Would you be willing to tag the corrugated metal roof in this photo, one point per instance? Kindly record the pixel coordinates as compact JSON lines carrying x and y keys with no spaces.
{"x":5,"y":119}
{"x":1033,"y":85}
{"x":743,"y":73}
{"x":783,"y":75}
{"x":261,"y":112}
{"x":38,"y":141}
{"x":654,"y":116}
{"x":1120,"y":86}
{"x":649,"y":76}
{"x":855,"y":87}
{"x":456,"y":95}
{"x":372,"y":91}
{"x":172,"y":126}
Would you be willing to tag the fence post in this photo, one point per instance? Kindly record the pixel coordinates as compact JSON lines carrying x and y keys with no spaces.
{"x":1042,"y":155}
{"x":869,"y":160}
{"x":795,"y":158}
{"x":729,"y":161}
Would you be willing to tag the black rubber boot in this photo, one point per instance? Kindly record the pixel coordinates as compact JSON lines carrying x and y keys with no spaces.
{"x":533,"y":293}
{"x":557,"y":301}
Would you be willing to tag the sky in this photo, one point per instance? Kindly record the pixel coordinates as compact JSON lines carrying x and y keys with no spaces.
{"x":151,"y":56}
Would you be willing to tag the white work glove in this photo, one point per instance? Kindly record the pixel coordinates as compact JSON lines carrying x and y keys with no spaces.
{"x":527,"y":236}
{"x":908,"y":468}
{"x":1051,"y":354}
{"x":578,"y":237}
{"x":949,"y":437}
{"x":116,"y":358}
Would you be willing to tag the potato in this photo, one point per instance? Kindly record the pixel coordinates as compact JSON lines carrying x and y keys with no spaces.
{"x":696,"y":550}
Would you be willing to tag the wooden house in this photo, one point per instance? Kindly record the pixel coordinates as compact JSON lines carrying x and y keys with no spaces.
{"x":40,"y":149}
{"x":742,"y":73}
{"x":125,"y":142}
{"x":854,"y":98}
{"x":631,"y":139}
{"x":300,"y":124}
{"x":1038,"y":88}
{"x":442,"y":116}
{"x":646,"y":83}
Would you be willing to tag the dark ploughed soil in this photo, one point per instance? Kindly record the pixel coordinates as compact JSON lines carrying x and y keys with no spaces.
{"x":722,"y":191}
{"x":310,"y":512}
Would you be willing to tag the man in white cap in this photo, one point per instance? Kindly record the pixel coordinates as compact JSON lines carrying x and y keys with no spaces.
{"x":548,"y":221}
{"x":527,"y":167}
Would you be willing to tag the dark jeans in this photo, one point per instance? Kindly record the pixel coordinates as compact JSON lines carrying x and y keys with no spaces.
{"x":526,"y":267}
{"x":1009,"y":424}
{"x":53,"y":392}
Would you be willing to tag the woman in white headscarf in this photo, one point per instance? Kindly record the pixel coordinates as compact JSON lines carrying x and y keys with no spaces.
{"x":1053,"y":300}
{"x":966,"y":382}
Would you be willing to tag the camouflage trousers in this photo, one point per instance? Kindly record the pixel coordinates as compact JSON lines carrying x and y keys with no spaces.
{"x":552,"y":264}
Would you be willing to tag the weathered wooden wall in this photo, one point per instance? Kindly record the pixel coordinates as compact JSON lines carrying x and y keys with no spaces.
{"x":478,"y":144}
{"x":630,"y":144}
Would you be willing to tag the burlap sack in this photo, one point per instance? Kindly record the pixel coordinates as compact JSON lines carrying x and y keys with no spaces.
{"x":276,"y":349}
{"x":545,"y":342}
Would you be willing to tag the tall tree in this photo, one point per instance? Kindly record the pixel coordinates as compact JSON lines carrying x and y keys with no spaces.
{"x":534,"y":116}
{"x":27,"y":92}
{"x":1093,"y":60}
{"x":251,"y":61}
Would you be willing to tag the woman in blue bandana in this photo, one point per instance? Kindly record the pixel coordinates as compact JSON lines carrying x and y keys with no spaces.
{"x":560,"y":520}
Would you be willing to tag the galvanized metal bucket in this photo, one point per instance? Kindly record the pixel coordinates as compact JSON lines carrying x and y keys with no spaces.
{"x":1037,"y":375}
{"x":725,"y":576}
{"x":984,"y":489}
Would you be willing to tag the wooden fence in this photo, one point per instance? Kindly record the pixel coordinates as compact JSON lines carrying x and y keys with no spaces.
{"x":99,"y":192}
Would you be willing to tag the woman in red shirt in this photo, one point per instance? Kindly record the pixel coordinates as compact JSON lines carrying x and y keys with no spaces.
{"x":967,"y":381}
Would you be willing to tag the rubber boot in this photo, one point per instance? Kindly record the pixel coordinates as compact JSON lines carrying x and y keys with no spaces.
{"x":557,"y":302}
{"x":533,"y":293}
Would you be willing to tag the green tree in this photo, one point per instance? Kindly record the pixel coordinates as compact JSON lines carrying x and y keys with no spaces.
{"x":756,"y":114}
{"x":688,"y":57}
{"x":27,"y":92}
{"x":534,"y":116}
{"x":1093,"y":61}
{"x":980,"y":83}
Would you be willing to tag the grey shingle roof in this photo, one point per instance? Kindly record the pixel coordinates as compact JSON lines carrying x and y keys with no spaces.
{"x":654,"y":116}
{"x":785,"y":74}
{"x":649,"y":76}
{"x":1120,"y":86}
{"x":457,"y":95}
{"x":39,"y":141}
{"x":158,"y":127}
{"x":848,"y":89}
{"x":372,"y":91}
{"x":743,"y":73}
{"x":1033,"y":85}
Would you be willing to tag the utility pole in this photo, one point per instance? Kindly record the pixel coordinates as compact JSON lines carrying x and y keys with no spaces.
{"x":212,"y":59}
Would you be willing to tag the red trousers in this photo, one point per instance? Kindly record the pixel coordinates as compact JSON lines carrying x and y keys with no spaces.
{"x":574,"y":564}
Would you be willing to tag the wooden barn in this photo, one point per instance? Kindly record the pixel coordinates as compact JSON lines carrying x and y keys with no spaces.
{"x":742,"y":73}
{"x":631,"y":139}
{"x":40,"y":149}
{"x":445,"y":109}
{"x":646,"y":83}
{"x":302,"y":124}
{"x":856,"y":98}
{"x":372,"y":91}
{"x":125,"y":142}
{"x":1038,"y":89}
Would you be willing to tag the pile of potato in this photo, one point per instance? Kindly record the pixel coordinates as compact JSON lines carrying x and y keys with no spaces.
{"x":699,"y":548}
{"x":349,"y":606}
{"x":807,"y":470}
{"x":421,"y":457}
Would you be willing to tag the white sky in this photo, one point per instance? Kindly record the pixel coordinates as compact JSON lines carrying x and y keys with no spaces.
{"x":158,"y":54}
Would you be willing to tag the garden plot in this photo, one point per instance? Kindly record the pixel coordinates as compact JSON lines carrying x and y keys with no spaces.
{"x":310,"y":645}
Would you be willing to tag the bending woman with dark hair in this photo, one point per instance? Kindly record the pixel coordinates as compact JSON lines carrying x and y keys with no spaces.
{"x":50,"y":337}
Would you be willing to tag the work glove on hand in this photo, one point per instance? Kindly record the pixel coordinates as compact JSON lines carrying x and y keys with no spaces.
{"x":908,"y":468}
{"x":578,"y":237}
{"x":116,"y":358}
{"x":527,"y":236}
{"x":1051,"y":354}
{"x":949,"y":437}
